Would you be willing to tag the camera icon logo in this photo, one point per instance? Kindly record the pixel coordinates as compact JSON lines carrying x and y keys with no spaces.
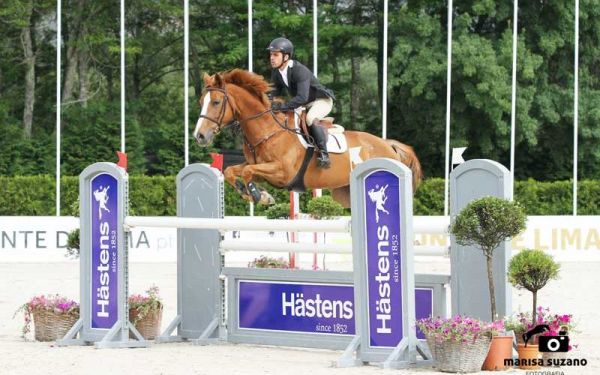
{"x":553,"y":344}
{"x":548,"y":344}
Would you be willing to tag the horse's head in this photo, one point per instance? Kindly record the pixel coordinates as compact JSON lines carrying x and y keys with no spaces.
{"x":216,"y":113}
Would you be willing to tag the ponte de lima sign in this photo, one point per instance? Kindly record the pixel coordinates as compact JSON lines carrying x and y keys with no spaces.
{"x":316,"y":308}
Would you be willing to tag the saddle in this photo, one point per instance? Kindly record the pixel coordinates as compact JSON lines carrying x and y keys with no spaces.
{"x":326,"y":122}
{"x":336,"y":142}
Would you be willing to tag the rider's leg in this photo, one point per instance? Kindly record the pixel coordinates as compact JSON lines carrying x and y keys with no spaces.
{"x":320,"y":135}
{"x":318,"y":110}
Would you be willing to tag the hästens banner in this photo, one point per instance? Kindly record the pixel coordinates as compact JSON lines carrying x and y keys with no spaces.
{"x":296,"y":307}
{"x":384,"y":281}
{"x":104,"y":264}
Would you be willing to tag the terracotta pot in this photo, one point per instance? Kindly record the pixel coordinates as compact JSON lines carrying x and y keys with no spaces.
{"x":500,"y":349}
{"x":530,"y":356}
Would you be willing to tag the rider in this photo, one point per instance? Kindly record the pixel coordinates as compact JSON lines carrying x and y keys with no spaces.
{"x":306,"y":90}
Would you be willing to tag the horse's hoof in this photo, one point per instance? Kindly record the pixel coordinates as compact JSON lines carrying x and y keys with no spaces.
{"x":266,"y":198}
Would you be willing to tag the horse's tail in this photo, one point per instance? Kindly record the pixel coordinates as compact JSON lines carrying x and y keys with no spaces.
{"x":407,"y":156}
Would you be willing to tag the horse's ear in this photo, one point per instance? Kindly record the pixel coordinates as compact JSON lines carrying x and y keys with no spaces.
{"x":218,"y":82}
{"x":208,"y":80}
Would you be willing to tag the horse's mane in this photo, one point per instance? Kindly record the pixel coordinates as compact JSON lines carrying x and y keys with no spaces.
{"x":255,"y":84}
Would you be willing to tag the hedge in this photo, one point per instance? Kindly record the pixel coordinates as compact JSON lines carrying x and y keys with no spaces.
{"x":155,"y":196}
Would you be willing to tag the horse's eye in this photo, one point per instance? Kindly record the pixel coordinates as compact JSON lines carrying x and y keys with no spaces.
{"x":216,"y":102}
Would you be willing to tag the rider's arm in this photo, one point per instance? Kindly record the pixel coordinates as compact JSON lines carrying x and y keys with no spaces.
{"x":301,"y":98}
{"x":278,"y":85}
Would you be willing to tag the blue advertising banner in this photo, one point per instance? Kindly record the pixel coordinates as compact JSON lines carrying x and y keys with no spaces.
{"x":383,"y":258}
{"x":104,"y":265}
{"x":423,"y":306}
{"x":294,"y":307}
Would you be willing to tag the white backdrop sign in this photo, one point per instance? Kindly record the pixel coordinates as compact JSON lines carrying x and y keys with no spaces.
{"x":44,"y":238}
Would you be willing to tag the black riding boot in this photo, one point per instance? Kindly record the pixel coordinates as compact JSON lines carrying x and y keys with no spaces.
{"x":320,"y":135}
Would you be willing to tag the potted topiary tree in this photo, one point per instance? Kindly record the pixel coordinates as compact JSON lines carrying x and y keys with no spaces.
{"x":486,"y":223}
{"x":531,"y":269}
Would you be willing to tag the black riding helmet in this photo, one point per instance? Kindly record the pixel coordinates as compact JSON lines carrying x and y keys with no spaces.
{"x":282,"y":45}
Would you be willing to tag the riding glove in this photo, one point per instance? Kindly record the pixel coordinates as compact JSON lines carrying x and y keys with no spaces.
{"x":279,"y":107}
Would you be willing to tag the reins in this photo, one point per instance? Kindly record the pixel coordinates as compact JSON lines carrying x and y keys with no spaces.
{"x":237,"y":122}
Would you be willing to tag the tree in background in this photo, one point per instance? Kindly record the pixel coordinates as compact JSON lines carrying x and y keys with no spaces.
{"x":350,"y":61}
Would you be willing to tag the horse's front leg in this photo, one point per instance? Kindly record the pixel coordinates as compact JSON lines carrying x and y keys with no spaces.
{"x":232,"y":175}
{"x":271,"y":172}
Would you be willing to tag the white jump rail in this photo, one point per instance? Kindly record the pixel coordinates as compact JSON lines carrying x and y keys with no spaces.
{"x":431,"y":224}
{"x":421,"y":224}
{"x":250,"y":223}
{"x":303,"y":247}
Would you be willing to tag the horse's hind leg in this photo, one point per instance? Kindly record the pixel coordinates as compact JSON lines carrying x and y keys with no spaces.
{"x":342,"y":196}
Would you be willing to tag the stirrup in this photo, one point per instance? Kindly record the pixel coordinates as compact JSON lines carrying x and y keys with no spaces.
{"x":323,"y":160}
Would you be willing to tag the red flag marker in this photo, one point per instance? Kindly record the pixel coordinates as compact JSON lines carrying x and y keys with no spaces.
{"x":122,"y":160}
{"x":217,"y":161}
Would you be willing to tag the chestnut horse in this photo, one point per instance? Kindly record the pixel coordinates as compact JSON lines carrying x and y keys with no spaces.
{"x":272,"y":149}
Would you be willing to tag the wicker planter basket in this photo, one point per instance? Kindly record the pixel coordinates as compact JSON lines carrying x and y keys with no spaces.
{"x":149,"y":325}
{"x":52,"y":326}
{"x":455,"y":356}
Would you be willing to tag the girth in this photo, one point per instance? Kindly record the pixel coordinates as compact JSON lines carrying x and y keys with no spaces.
{"x":297,"y":183}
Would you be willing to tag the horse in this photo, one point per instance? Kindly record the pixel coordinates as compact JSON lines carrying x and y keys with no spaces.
{"x":272,"y":149}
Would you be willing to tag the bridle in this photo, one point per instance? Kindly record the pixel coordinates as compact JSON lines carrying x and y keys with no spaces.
{"x":219,"y":120}
{"x":234,"y":121}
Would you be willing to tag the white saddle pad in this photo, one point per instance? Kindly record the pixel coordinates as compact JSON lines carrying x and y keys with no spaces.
{"x":336,"y":142}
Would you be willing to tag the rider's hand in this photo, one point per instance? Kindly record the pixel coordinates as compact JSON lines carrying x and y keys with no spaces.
{"x":278,"y":107}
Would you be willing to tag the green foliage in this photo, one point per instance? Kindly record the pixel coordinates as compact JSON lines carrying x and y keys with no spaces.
{"x":324,"y":208}
{"x":73,"y":244}
{"x":556,"y":198}
{"x":531,"y":269}
{"x":429,"y":198}
{"x":145,"y":304}
{"x":278,"y":211}
{"x":29,"y":196}
{"x":98,"y":125}
{"x":349,"y":61}
{"x":269,"y":262}
{"x":157,"y":195}
{"x":152,"y":196}
{"x":487,"y":222}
